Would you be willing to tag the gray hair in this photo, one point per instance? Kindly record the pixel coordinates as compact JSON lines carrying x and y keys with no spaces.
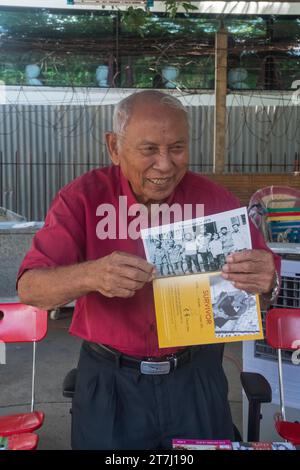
{"x":123,"y":110}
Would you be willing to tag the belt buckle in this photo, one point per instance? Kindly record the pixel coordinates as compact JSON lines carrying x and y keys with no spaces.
{"x":155,"y":368}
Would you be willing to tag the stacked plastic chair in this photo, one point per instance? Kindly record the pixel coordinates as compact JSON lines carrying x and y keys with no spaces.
{"x":283,"y":332}
{"x":275,"y":210}
{"x":22,"y":323}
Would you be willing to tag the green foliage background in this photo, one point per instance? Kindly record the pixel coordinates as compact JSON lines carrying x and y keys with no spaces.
{"x":24,"y":33}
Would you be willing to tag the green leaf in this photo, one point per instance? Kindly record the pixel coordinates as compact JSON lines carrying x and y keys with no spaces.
{"x":189,"y":6}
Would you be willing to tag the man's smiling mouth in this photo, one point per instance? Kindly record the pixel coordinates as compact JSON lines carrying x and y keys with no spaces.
{"x":159,"y":181}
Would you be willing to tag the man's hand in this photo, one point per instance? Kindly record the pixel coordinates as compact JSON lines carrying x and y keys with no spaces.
{"x":120,"y":274}
{"x":251,"y":270}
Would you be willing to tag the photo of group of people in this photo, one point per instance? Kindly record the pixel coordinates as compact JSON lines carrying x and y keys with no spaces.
{"x":195,"y":246}
{"x":234,"y":310}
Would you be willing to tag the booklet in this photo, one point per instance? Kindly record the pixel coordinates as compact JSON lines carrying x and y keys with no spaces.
{"x":263,"y":446}
{"x":193,"y":303}
{"x":196,"y":444}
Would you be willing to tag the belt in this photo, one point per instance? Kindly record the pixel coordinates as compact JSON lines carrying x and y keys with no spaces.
{"x":148,"y":365}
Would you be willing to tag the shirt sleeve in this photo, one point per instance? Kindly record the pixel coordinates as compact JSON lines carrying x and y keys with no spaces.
{"x":61,"y":242}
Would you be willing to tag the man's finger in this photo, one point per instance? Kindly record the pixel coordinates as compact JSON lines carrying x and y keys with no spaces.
{"x":134,"y":274}
{"x":134,"y":261}
{"x":246,"y":255}
{"x":120,"y":292}
{"x":131,"y":284}
{"x":245,"y":278}
{"x":242,"y":267}
{"x":125,"y":293}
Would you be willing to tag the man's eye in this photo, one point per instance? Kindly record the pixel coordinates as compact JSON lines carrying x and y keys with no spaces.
{"x":177,"y":148}
{"x":149,"y":150}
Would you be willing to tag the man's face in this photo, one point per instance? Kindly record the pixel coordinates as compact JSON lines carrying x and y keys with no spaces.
{"x":224,"y":231}
{"x":153,"y":152}
{"x":235,"y":228}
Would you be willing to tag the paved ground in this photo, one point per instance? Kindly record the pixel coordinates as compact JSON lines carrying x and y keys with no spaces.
{"x":56,"y":355}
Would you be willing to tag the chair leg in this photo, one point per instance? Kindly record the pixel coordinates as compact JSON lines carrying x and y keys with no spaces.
{"x":254,"y":418}
{"x":237,"y":434}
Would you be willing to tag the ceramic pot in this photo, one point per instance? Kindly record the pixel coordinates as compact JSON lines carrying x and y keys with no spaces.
{"x":102,"y":75}
{"x":170,"y":73}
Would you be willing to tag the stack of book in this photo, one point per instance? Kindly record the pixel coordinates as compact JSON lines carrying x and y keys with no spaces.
{"x":283,"y":221}
{"x":195,"y":444}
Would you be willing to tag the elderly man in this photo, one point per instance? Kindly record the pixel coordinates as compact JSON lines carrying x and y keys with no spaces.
{"x":126,"y":397}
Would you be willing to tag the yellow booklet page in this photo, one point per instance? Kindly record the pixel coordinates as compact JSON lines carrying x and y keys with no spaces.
{"x":189,"y":311}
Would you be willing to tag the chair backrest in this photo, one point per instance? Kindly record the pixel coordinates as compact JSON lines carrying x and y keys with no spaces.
{"x":283,"y":328}
{"x":22,"y":323}
{"x":268,"y":194}
{"x":284,"y":200}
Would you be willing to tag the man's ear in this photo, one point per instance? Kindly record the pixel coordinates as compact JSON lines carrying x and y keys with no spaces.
{"x":112,"y":147}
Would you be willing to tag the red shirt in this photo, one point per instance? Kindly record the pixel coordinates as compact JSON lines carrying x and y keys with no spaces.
{"x":69,"y":236}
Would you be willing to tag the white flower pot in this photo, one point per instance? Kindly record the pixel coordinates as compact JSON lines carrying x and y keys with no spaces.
{"x":102,"y":75}
{"x":32,"y":72}
{"x":170,"y":73}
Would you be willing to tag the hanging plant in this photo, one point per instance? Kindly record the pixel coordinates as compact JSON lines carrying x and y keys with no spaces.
{"x":136,"y":17}
{"x":172,"y":7}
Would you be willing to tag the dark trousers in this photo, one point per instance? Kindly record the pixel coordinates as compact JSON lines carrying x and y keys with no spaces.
{"x":192,"y":258}
{"x":117,"y":408}
{"x":207,"y":260}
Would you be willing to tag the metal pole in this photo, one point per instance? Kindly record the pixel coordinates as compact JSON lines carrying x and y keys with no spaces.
{"x":33,"y":376}
{"x":282,"y":406}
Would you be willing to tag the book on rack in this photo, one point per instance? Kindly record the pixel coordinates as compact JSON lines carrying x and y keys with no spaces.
{"x":197,"y":444}
{"x":283,"y":223}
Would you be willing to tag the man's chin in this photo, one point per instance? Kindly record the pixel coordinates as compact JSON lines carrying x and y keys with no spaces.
{"x":159,"y":196}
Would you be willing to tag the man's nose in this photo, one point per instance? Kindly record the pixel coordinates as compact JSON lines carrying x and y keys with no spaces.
{"x":163,"y":161}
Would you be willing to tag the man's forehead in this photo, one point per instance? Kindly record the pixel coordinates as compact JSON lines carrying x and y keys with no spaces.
{"x":146,"y":126}
{"x":152,"y":102}
{"x":156,"y":110}
{"x":143,"y":141}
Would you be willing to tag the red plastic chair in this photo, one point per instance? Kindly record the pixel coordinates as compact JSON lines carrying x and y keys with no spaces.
{"x":26,"y":441}
{"x":283,"y":332}
{"x":22,"y":323}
